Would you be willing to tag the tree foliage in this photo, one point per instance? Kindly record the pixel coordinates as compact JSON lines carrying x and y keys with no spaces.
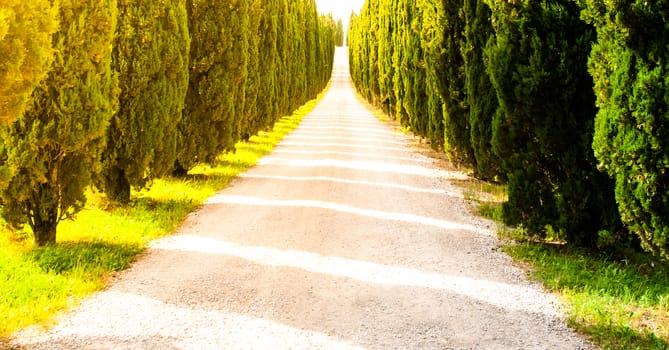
{"x":543,"y":127}
{"x":442,"y":34}
{"x":217,"y":80}
{"x":151,"y":57}
{"x":56,"y":143}
{"x":481,"y":95}
{"x":26,"y":28}
{"x":503,"y":88}
{"x":279,"y":52}
{"x":630,"y":66}
{"x":402,"y":56}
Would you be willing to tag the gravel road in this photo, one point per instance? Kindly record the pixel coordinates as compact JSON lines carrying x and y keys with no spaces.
{"x":344,"y":237}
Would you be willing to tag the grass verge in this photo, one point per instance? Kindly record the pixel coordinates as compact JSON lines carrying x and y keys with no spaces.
{"x":37,"y":283}
{"x":620,"y":302}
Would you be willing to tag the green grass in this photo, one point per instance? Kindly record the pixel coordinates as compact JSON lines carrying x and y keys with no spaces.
{"x":37,"y":283}
{"x":487,"y":197}
{"x":620,"y":304}
{"x":619,"y":301}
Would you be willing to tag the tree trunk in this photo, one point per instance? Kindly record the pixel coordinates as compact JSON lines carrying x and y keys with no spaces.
{"x":118,"y":186}
{"x":45,"y":220}
{"x":179,"y":170}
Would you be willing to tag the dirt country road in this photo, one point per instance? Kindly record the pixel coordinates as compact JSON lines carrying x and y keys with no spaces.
{"x":342,"y":238}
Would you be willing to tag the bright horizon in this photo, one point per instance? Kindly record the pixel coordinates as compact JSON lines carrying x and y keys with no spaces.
{"x":340,"y":8}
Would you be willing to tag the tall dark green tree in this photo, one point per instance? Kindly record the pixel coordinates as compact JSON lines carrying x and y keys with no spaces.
{"x":257,"y":71}
{"x":263,"y":101}
{"x":26,"y":28}
{"x":371,"y":12}
{"x":433,"y":38}
{"x":415,"y":100}
{"x":401,"y":24}
{"x":326,"y":43}
{"x":481,"y":95}
{"x":630,"y":66}
{"x":354,"y":49}
{"x":297,"y":74}
{"x":449,"y":69}
{"x":217,"y":80}
{"x":151,"y":57}
{"x":543,"y":127}
{"x":362,"y":37}
{"x":284,"y":45}
{"x":387,"y":12}
{"x":56,"y":143}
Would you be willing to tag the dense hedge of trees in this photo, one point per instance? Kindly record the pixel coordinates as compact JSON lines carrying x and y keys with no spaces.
{"x":543,"y":126}
{"x":506,"y":88}
{"x":120,"y":92}
{"x":279,"y":48}
{"x":630,"y":66}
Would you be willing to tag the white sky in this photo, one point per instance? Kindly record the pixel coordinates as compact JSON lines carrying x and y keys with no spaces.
{"x":340,"y":8}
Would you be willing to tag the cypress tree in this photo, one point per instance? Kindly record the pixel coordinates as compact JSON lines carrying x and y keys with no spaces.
{"x":268,"y":89}
{"x":433,"y":38}
{"x":445,"y":72}
{"x":387,"y":10}
{"x":297,"y":78}
{"x":414,"y":72}
{"x":284,"y":45}
{"x":151,"y":56}
{"x":250,"y":122}
{"x":481,"y":95}
{"x":354,"y":50}
{"x":402,"y":24}
{"x":543,"y":127}
{"x":26,"y":28}
{"x":373,"y":50}
{"x":339,"y":33}
{"x":312,"y":34}
{"x":56,"y":143}
{"x":630,"y":66}
{"x":326,"y":43}
{"x":364,"y":51}
{"x":217,"y":78}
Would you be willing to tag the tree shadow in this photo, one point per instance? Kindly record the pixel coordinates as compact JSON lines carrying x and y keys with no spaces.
{"x":626,"y":338}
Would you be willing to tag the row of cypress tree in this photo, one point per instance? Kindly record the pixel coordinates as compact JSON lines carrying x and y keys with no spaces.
{"x":116,"y":93}
{"x":523,"y":91}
